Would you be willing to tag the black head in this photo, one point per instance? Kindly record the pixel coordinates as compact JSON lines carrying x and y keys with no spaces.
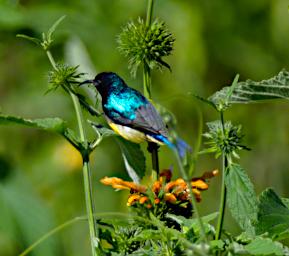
{"x":104,"y":81}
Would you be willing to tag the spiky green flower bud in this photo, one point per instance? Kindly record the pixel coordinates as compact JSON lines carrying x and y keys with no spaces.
{"x":64,"y":75}
{"x":224,"y":141}
{"x":145,"y":45}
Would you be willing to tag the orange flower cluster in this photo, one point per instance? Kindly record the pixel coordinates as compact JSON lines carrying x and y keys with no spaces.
{"x":163,"y":190}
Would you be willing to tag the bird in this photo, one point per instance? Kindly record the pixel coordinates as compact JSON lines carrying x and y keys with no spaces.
{"x":128,"y":112}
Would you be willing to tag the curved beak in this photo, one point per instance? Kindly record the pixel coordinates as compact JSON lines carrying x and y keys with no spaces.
{"x":86,"y":82}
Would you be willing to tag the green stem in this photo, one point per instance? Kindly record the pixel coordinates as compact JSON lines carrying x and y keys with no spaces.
{"x":93,"y":230}
{"x":147,"y":83}
{"x":194,"y":203}
{"x":51,"y":59}
{"x":198,"y":142}
{"x":223,"y":190}
{"x":94,"y":233}
{"x":149,"y":12}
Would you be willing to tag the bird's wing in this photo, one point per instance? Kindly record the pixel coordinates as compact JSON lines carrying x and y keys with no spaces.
{"x":133,"y":110}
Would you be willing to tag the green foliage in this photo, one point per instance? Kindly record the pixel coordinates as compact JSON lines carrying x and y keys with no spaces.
{"x":134,"y":159}
{"x":224,"y":140}
{"x":273,"y":216}
{"x":56,"y":125}
{"x":47,"y":38}
{"x":242,"y":199}
{"x":221,"y":101}
{"x":250,"y":91}
{"x":191,"y":227}
{"x":264,"y":246}
{"x":143,"y":44}
{"x":148,"y":45}
{"x":49,"y":124}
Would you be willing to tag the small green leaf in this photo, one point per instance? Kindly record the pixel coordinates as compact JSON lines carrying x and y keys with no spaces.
{"x":232,"y":87}
{"x":188,"y":224}
{"x":217,"y":244}
{"x":250,"y":91}
{"x":242,"y":200}
{"x":102,"y":131}
{"x":147,"y":234}
{"x":273,"y":215}
{"x":29,"y":38}
{"x":264,"y":246}
{"x":210,"y":103}
{"x":53,"y":27}
{"x":134,"y":159}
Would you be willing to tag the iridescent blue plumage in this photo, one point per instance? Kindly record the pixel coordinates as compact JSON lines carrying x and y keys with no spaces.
{"x":123,"y":101}
{"x":128,"y":112}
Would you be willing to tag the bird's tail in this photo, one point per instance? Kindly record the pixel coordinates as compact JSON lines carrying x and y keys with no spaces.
{"x":164,"y":140}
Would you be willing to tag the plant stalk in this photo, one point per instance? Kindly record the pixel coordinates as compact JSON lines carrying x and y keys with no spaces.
{"x":87,"y":178}
{"x":153,"y":148}
{"x":93,"y":230}
{"x":223,"y":189}
{"x":147,"y":81}
{"x":149,"y":12}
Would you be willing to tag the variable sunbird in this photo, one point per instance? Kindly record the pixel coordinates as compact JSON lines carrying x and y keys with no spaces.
{"x":128,"y":112}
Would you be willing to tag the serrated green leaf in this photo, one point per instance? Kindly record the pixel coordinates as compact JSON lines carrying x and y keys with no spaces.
{"x":264,"y":246}
{"x":250,"y":91}
{"x":56,"y":125}
{"x":273,"y":215}
{"x":242,"y":200}
{"x":134,"y":159}
{"x":49,"y":124}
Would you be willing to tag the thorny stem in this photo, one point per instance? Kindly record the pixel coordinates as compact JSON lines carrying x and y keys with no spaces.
{"x":223,"y":190}
{"x":194,"y":203}
{"x":86,"y":169}
{"x":147,"y":90}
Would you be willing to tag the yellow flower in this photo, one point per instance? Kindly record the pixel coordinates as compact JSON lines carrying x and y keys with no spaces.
{"x":118,"y":183}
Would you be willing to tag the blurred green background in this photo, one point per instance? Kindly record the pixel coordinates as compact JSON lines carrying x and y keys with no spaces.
{"x":40,"y":173}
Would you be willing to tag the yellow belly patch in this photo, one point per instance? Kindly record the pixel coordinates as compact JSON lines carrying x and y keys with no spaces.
{"x":128,"y":133}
